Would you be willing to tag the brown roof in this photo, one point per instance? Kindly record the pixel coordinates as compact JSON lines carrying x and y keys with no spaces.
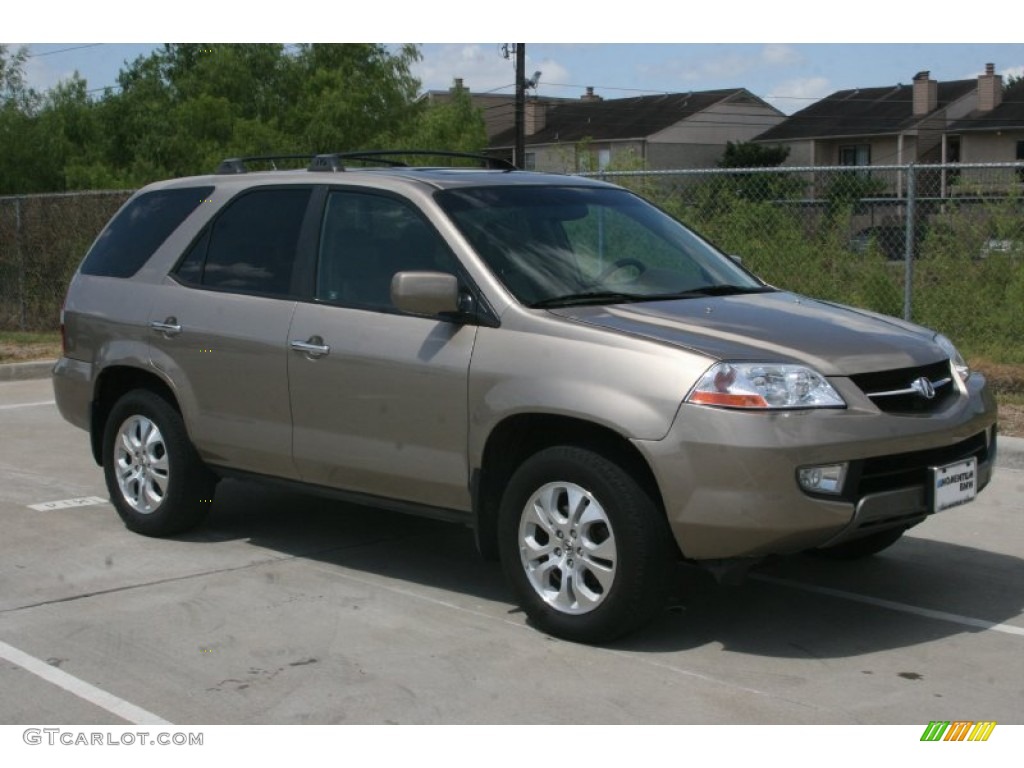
{"x":1009,"y":114}
{"x":611,"y":119}
{"x":862,"y":112}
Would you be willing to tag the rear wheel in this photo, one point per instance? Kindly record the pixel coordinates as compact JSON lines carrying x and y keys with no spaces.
{"x":583,"y":545}
{"x":156,"y":480}
{"x":863,"y":547}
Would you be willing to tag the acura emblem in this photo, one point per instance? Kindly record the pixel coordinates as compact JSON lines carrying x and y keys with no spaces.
{"x":923,"y":387}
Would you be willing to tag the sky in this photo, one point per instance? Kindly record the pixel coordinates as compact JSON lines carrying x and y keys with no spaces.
{"x":788,"y":64}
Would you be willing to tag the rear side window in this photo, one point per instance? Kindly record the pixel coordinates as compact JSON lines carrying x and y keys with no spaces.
{"x":141,"y":227}
{"x":251,"y":247}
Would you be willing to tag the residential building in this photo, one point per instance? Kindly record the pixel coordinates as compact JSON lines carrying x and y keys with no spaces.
{"x":992,"y":133}
{"x":889,"y":125}
{"x":667,"y":131}
{"x":926,"y":122}
{"x":498,"y":109}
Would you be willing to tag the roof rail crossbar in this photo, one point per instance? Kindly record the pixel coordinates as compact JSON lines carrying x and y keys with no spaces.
{"x":333,"y":161}
{"x":238,"y":164}
{"x":494,"y":163}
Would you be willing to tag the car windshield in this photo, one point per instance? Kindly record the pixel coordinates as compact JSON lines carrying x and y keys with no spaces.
{"x":558,"y":246}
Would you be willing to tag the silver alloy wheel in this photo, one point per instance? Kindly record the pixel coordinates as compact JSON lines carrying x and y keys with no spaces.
{"x":567,"y":548}
{"x":141,"y":464}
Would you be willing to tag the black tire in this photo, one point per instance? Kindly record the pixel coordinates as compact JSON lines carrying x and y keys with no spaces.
{"x":614,"y":577}
{"x":156,"y":480}
{"x":863,"y":547}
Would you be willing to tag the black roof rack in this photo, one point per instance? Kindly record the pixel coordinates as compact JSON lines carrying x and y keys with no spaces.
{"x":237,"y":164}
{"x":333,"y":161}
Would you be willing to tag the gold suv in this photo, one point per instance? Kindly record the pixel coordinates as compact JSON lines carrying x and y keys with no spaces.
{"x":590,"y":385}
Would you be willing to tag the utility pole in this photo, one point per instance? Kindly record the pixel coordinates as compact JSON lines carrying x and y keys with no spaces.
{"x":519,"y":153}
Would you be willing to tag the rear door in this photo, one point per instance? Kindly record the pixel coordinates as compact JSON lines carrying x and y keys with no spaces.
{"x":219,"y":330}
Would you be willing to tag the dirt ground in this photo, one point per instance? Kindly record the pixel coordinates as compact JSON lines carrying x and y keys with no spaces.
{"x":1011,"y":420}
{"x":22,"y":353}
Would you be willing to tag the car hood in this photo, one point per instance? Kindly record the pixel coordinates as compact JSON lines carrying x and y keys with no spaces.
{"x":836,"y":340}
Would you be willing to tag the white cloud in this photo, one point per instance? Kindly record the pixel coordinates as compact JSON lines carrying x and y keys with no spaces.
{"x":793,"y":95}
{"x":780,"y":55}
{"x":481,"y":67}
{"x":727,"y":68}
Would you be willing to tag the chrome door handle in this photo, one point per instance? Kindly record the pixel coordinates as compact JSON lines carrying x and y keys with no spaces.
{"x":169,"y":327}
{"x":313,"y":348}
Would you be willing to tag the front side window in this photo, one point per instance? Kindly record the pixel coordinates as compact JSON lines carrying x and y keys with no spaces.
{"x":251,"y":246}
{"x":573,"y":245}
{"x":365,"y":240}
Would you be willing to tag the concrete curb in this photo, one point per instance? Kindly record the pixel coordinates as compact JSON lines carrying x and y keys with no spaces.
{"x":37,"y":369}
{"x":1010,"y":455}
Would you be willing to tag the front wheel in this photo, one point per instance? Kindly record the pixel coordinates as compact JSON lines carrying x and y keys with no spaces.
{"x":583,"y":545}
{"x":156,"y":480}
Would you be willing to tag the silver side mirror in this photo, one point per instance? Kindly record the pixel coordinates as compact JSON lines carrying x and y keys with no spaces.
{"x":425,"y":293}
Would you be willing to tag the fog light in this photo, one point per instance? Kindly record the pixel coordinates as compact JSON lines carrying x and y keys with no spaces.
{"x":824,"y":479}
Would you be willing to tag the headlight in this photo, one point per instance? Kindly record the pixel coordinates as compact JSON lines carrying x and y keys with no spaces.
{"x":764,"y":385}
{"x":961,"y":367}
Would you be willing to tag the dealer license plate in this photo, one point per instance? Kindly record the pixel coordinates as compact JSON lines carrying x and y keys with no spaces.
{"x":954,"y":484}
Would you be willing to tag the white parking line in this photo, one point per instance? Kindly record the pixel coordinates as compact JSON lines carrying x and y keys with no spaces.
{"x":956,"y":618}
{"x":83,"y":690}
{"x":27,"y":405}
{"x":84,"y":501}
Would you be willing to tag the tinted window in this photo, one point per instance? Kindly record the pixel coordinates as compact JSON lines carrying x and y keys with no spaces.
{"x":252,"y":245}
{"x":190,"y":270}
{"x":139,"y":229}
{"x":365,"y":240}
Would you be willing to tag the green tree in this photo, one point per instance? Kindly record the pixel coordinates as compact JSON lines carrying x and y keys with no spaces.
{"x":71,"y":131}
{"x":354,"y":96}
{"x":23,"y":156}
{"x":454,"y":125}
{"x":756,"y":186}
{"x":181,"y":109}
{"x":747,"y":154}
{"x":186,"y":106}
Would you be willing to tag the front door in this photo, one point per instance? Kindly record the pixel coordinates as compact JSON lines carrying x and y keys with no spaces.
{"x":379,"y":398}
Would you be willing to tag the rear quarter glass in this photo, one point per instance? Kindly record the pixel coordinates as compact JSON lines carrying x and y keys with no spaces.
{"x":138,"y":229}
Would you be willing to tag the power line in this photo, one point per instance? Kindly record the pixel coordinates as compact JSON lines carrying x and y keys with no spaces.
{"x":61,"y":50}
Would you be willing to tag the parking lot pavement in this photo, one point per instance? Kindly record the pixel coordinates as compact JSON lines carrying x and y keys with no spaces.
{"x":286,"y":608}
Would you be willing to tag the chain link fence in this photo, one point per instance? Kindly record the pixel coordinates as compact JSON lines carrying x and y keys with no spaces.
{"x":940,"y":245}
{"x":42,"y":240}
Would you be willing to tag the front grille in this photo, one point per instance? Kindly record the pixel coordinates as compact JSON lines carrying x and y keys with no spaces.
{"x":905,"y":470}
{"x":881,"y":386}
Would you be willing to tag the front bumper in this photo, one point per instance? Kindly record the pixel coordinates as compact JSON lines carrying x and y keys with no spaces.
{"x":728,"y":479}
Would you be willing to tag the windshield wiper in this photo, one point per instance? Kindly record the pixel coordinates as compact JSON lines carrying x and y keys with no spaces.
{"x":587,"y":297}
{"x":615,"y":297}
{"x":711,"y":290}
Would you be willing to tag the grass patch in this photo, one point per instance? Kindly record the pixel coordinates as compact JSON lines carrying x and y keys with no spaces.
{"x":22,"y":346}
{"x":29,"y":337}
